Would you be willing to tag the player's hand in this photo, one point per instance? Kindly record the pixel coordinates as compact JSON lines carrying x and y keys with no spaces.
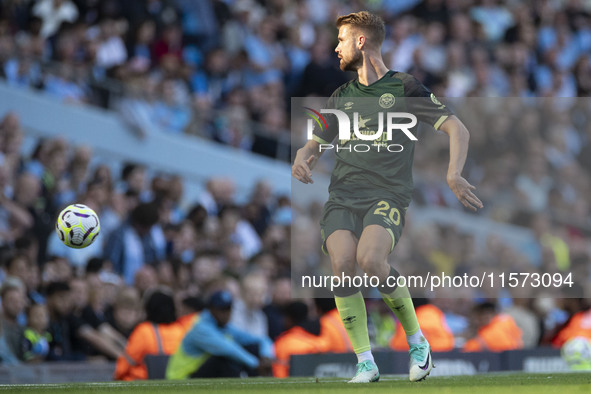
{"x":302,"y":169}
{"x":463,"y":191}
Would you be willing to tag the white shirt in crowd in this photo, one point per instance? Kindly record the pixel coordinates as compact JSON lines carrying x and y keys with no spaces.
{"x":52,"y":17}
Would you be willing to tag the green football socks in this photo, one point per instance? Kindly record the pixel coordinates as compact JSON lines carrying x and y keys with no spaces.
{"x":401,"y":304}
{"x":354,"y":317}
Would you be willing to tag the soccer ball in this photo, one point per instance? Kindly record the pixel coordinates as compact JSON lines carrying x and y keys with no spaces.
{"x":576,"y":352}
{"x":77,"y":226}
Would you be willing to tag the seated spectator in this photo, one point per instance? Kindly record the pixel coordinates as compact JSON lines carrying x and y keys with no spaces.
{"x":6,"y":355}
{"x":433,"y":325}
{"x":247,"y":312}
{"x":36,"y":338}
{"x":70,"y":335}
{"x":237,"y":230}
{"x":332,"y":329}
{"x":126,"y":311}
{"x":137,"y":242}
{"x":170,"y":43}
{"x":280,"y":298}
{"x":146,"y":278}
{"x":495,"y":332}
{"x":296,"y":340}
{"x":133,"y":179}
{"x":522,"y":312}
{"x":94,"y":314}
{"x":207,"y":267}
{"x":13,"y":304}
{"x":61,"y":85}
{"x":171,"y":113}
{"x":139,"y":46}
{"x":159,"y":334}
{"x":15,"y":218}
{"x":18,"y":267}
{"x":111,"y":49}
{"x":27,"y":190}
{"x":214,"y":348}
{"x":80,"y":293}
{"x":59,"y":305}
{"x":23,"y":70}
{"x":219,"y":193}
{"x":58,"y":269}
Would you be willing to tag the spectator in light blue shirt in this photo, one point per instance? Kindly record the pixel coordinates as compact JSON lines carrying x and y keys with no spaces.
{"x":214,"y":348}
{"x":138,"y":242}
{"x":171,"y":113}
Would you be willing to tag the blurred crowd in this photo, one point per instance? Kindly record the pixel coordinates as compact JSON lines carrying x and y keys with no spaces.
{"x":88,"y":301}
{"x":224,"y":70}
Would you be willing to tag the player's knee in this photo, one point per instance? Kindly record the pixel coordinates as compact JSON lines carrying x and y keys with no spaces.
{"x":343,"y":265}
{"x":369,"y":261}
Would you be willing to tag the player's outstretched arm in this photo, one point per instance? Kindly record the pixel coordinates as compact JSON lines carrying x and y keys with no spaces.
{"x":458,"y":150}
{"x":305,"y":160}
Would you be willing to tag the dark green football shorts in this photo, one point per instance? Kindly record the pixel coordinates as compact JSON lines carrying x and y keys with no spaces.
{"x":354,"y":214}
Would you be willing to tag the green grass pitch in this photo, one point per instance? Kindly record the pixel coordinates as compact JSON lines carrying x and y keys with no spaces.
{"x":489,"y":384}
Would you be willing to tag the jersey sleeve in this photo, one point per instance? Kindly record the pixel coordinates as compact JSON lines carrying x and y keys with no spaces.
{"x":424,"y":105}
{"x":326,"y":127}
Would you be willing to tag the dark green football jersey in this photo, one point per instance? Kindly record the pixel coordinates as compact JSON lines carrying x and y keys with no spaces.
{"x":381,"y":167}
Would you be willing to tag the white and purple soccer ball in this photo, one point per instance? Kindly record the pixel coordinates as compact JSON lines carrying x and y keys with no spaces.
{"x":577,"y":353}
{"x":77,"y":226}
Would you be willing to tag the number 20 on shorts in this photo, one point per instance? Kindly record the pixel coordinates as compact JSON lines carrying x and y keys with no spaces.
{"x":393,"y":215}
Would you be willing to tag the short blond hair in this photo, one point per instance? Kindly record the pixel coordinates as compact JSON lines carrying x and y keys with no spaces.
{"x":369,"y":23}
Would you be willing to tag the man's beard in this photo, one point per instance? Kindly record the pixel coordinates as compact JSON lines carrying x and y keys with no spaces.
{"x":354,"y":64}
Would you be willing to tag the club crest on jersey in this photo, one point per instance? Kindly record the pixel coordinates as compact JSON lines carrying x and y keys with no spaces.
{"x":387,"y":100}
